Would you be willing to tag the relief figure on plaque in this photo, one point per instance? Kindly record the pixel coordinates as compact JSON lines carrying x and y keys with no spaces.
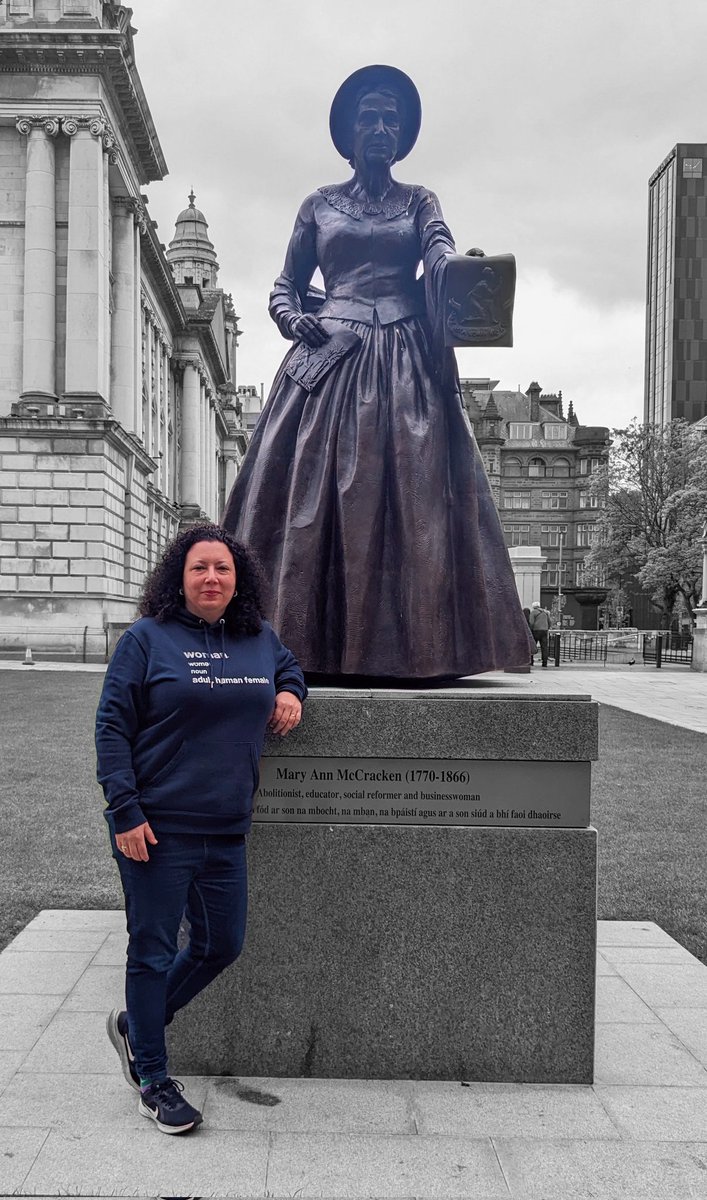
{"x":363,"y":492}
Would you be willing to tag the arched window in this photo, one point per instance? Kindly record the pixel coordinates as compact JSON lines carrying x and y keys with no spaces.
{"x":511,"y":466}
{"x":561,"y":468}
{"x":536,"y":468}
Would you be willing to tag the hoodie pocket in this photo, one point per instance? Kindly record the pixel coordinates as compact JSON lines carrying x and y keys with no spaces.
{"x":217,"y":776}
{"x":168,"y":768}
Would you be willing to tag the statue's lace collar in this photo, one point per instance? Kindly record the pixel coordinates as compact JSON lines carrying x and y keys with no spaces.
{"x":395,"y":202}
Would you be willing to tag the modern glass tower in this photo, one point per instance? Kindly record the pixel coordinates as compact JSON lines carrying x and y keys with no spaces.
{"x":676,"y":300}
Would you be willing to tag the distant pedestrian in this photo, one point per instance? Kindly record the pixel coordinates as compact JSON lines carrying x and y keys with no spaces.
{"x":540,"y":622}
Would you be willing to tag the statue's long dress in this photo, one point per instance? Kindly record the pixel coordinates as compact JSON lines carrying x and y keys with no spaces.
{"x":366,"y":500}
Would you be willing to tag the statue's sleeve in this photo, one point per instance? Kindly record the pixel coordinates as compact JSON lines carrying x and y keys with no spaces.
{"x":287,"y":298}
{"x":436,"y":244}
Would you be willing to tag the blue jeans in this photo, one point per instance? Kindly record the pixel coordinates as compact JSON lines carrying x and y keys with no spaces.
{"x":203,"y":878}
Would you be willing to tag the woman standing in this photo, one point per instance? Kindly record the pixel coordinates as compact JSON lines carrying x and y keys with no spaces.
{"x":188,"y":695}
{"x":363,"y":491}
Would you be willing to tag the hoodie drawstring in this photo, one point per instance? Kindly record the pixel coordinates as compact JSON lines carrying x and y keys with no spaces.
{"x":222,"y":624}
{"x":208,"y":655}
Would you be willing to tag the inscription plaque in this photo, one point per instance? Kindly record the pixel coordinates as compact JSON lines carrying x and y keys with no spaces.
{"x":423,"y":791}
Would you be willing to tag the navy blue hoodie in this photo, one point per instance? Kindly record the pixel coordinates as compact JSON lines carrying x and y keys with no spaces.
{"x":181,"y":723}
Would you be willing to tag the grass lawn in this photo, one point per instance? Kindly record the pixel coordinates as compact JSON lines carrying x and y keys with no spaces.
{"x":649,"y":805}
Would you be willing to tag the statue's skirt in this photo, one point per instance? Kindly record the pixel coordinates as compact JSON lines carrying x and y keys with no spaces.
{"x":369,"y":508}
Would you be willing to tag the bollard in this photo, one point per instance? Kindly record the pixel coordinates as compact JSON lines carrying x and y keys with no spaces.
{"x":558,"y":645}
{"x":29,"y":661}
{"x":659,"y":650}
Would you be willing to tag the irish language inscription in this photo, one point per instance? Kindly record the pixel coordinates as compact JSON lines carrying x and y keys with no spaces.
{"x":423,"y":791}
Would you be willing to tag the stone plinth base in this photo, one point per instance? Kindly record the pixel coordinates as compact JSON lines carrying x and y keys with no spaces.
{"x":413,"y":951}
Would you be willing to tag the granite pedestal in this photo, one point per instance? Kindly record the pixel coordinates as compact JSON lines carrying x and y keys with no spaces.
{"x":426,"y":951}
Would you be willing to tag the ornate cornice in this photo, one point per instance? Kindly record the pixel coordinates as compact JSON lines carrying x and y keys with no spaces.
{"x":104,"y":52}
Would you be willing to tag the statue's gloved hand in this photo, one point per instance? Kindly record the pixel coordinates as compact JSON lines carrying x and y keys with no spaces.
{"x":475,"y":252}
{"x":308,"y":329}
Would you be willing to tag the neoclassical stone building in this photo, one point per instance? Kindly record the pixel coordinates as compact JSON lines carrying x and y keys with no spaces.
{"x":120,"y":416}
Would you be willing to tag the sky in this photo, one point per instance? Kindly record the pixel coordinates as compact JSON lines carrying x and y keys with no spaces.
{"x":542,"y":123}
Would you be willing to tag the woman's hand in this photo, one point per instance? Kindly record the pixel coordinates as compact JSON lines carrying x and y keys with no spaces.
{"x":308,"y":329}
{"x":286,"y":714}
{"x":475,"y":253}
{"x":133,"y":843}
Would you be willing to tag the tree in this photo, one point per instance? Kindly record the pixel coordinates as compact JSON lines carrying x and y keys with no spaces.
{"x":653,"y":498}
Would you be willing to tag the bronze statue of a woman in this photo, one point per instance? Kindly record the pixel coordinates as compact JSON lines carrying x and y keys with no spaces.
{"x":363,"y":492}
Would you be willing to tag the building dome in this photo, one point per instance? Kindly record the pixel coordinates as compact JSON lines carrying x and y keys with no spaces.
{"x":191,"y":252}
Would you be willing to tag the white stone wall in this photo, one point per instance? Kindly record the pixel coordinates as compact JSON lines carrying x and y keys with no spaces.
{"x":75,"y":505}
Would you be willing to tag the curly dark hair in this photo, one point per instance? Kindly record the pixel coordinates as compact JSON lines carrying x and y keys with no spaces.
{"x":161,"y":596}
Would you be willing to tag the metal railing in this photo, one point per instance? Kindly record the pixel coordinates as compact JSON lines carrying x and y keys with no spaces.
{"x":620,"y":646}
{"x":667,"y":647}
{"x":82,"y":643}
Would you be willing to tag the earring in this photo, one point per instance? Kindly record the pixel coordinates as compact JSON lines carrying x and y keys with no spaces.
{"x":181,"y":591}
{"x":235,"y":593}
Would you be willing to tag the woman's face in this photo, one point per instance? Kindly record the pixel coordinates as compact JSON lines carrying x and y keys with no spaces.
{"x":208,"y":580}
{"x":376,"y":130}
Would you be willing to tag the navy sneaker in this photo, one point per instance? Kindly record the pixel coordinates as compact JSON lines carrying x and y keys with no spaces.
{"x":117,"y":1026}
{"x":169,"y":1110}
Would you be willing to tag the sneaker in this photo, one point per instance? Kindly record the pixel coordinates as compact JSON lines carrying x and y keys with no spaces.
{"x":117,"y":1026}
{"x":169,"y":1110}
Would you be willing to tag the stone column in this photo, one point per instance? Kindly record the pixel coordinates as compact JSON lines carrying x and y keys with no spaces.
{"x":149,"y":381}
{"x":123,"y":327}
{"x":166,"y":474}
{"x":203,"y":403}
{"x":231,"y":472}
{"x":39,"y":329}
{"x":86,"y":268}
{"x":137,"y":358}
{"x":191,"y":439}
{"x":527,"y":563}
{"x":211,"y":505}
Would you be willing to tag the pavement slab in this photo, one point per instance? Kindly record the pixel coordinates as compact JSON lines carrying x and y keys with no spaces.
{"x":690,"y":1025}
{"x":74,"y":1042}
{"x":48,"y":941}
{"x":657,"y":1113}
{"x":79,"y":918}
{"x":99,"y":989}
{"x":632,"y":933}
{"x":39,"y":973}
{"x":617,"y":1001}
{"x":510,"y":1110}
{"x":627,"y":955}
{"x":23,"y":1019}
{"x":663,"y":985}
{"x":343,"y":1165}
{"x":10,"y":1062}
{"x":137,"y":1162}
{"x":113,"y":950}
{"x":644,"y":1054}
{"x":593,"y":1170}
{"x":18,"y":1151}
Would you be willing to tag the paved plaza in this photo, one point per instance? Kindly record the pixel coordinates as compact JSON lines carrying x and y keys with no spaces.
{"x":69,"y":1123}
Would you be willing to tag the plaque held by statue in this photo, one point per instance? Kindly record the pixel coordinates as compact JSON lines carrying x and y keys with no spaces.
{"x":477,"y":300}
